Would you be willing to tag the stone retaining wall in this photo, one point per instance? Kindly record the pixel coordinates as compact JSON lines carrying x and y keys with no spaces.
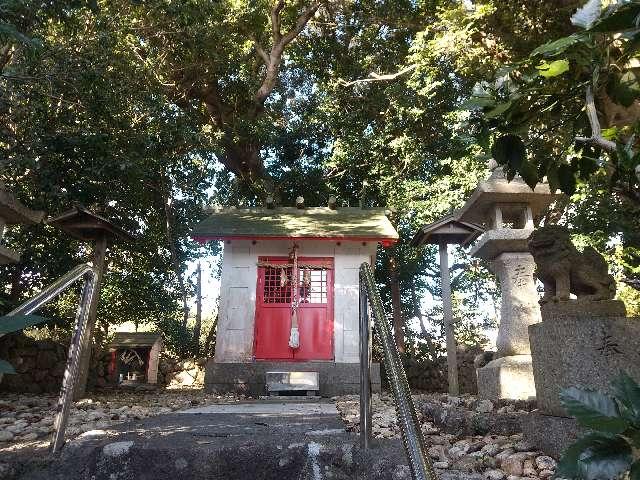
{"x":40,"y":366}
{"x":428,"y":376}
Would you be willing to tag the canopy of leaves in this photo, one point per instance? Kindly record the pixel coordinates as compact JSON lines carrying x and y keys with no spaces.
{"x":146,"y":111}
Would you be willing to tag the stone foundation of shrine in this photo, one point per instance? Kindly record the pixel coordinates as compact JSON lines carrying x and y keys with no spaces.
{"x":249,"y":378}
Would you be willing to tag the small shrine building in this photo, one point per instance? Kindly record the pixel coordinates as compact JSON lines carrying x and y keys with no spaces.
{"x":290,"y":293}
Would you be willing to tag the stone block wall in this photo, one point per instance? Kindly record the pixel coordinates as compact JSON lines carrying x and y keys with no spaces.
{"x":39,"y":364}
{"x":429,"y":376}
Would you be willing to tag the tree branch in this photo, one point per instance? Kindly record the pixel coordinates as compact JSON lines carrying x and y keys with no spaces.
{"x":374,"y":77}
{"x":301,"y":22}
{"x":596,"y":132}
{"x":275,"y":20}
{"x":274,"y":58}
{"x":262,"y":53}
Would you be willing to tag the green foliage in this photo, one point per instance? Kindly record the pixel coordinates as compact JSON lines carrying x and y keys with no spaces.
{"x":612,"y":447}
{"x":540,"y":100}
{"x":85,"y":120}
{"x":6,"y":368}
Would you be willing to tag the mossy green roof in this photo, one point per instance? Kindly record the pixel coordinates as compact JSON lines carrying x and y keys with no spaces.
{"x":289,"y":222}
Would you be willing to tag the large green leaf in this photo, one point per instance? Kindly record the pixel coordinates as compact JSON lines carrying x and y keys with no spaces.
{"x":529,"y":173}
{"x":553,"y":69}
{"x":593,"y":410}
{"x":627,"y":392}
{"x":596,"y":456}
{"x":10,"y":31}
{"x":625,"y":90}
{"x":498,"y":110}
{"x":509,"y":150}
{"x":566,"y":179}
{"x":558,"y":46}
{"x":6,"y":367}
{"x":587,"y":166}
{"x":19,"y":322}
{"x":624,"y":18}
{"x":552,"y":177}
{"x":476,"y":102}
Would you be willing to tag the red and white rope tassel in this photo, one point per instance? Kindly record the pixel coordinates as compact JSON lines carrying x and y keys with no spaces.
{"x":294,"y":335}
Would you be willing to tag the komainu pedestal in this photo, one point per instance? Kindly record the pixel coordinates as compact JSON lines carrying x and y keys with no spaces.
{"x":584,"y":344}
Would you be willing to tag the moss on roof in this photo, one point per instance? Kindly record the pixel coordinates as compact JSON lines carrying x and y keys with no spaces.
{"x":289,"y":222}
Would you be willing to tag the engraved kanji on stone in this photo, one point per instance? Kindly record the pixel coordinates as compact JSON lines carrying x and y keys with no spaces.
{"x":519,"y":276}
{"x":608,"y":346}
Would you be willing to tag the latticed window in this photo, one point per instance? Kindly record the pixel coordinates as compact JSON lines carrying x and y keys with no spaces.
{"x":313,"y":285}
{"x":277,"y":285}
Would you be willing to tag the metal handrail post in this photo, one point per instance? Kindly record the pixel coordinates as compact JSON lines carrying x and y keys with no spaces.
{"x":412,"y":438}
{"x":365,"y":369}
{"x":73,"y":361}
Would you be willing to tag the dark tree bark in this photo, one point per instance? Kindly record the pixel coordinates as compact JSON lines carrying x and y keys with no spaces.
{"x":198,"y":326}
{"x":396,"y":303}
{"x":208,"y":343}
{"x":423,"y":328}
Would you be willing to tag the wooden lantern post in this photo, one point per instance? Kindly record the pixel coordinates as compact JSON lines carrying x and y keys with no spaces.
{"x":445,"y":231}
{"x":87,"y":226}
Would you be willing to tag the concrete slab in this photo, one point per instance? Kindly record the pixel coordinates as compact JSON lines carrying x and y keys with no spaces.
{"x":268,"y":408}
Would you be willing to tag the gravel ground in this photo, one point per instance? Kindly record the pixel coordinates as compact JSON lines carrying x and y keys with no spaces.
{"x":496,"y":457}
{"x":26,"y":421}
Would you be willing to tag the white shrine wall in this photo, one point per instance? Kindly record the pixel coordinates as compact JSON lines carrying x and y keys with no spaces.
{"x":234,"y":339}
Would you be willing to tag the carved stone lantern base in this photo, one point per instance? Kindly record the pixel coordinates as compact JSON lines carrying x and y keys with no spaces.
{"x":507,"y":378}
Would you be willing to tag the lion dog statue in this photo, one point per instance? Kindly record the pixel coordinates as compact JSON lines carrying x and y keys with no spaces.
{"x":564,"y":270}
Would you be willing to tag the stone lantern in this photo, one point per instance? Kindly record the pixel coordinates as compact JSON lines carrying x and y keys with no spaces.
{"x":447,"y":230}
{"x":507,"y":210}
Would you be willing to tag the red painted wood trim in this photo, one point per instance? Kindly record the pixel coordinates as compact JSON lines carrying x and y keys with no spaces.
{"x":385,"y":242}
{"x":260,"y":307}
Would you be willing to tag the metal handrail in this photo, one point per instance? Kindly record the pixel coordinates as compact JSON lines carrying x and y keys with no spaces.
{"x":52,"y":291}
{"x":75,"y":349}
{"x":412,"y":438}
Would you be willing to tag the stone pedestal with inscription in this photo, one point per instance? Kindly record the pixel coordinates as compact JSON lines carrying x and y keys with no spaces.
{"x":508,"y":211}
{"x":578,"y":344}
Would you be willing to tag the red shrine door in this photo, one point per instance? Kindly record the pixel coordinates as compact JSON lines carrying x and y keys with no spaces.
{"x":274,"y":309}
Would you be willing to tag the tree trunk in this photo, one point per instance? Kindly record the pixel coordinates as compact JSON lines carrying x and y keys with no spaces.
{"x":396,"y":303}
{"x":198,"y":326}
{"x":173,"y":249}
{"x":210,"y":336}
{"x":425,"y":334}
